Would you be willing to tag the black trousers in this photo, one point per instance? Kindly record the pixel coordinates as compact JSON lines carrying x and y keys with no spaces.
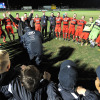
{"x":44,"y":28}
{"x":52,"y":28}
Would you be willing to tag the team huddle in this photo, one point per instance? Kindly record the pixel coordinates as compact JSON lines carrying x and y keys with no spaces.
{"x":88,"y":31}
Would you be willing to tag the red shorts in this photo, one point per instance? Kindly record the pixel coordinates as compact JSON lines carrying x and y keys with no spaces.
{"x":84,"y":35}
{"x":72,"y":30}
{"x":38,"y":28}
{"x":65,"y":29}
{"x":98,"y":39}
{"x":9,"y":29}
{"x":57,"y":29}
{"x":78,"y":32}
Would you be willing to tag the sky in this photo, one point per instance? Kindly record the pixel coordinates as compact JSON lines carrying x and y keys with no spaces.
{"x":36,"y":3}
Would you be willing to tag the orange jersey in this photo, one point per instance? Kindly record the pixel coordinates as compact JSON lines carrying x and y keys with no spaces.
{"x":37,"y":21}
{"x":58,"y":21}
{"x":66,"y":21}
{"x":7,"y":21}
{"x":73,"y":22}
{"x":81,"y":24}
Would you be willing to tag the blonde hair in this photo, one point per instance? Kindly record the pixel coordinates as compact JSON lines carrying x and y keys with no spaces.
{"x":4,"y":59}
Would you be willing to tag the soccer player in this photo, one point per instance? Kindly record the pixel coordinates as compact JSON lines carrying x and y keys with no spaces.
{"x":95,"y":32}
{"x":8,"y":26}
{"x":58,"y":25}
{"x":72,"y":27}
{"x":37,"y":21}
{"x":81,"y":23}
{"x":86,"y":31}
{"x":2,"y":33}
{"x":44,"y":20}
{"x":52,"y":20}
{"x":66,"y":20}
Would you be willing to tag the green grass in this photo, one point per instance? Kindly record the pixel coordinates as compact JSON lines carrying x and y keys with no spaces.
{"x":86,"y":55}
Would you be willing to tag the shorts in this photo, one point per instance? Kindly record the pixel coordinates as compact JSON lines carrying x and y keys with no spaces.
{"x":78,"y":32}
{"x":9,"y":29}
{"x":57,"y":29}
{"x":38,"y":28}
{"x":98,"y":40}
{"x":84,"y":35}
{"x":65,"y":29}
{"x":72,"y":30}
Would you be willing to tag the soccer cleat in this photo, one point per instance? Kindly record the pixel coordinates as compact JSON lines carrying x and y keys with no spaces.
{"x":98,"y":49}
{"x":73,"y":40}
{"x":86,"y":44}
{"x":81,"y":44}
{"x":56,"y":38}
{"x":59,"y":38}
{"x":68,"y":39}
{"x":91,"y":46}
{"x":63,"y":38}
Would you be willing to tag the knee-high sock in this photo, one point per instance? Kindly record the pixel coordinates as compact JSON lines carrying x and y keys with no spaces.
{"x":66,"y":35}
{"x":63,"y":35}
{"x":73,"y":37}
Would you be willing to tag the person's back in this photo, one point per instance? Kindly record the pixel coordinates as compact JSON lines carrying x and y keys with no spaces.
{"x":32,"y":40}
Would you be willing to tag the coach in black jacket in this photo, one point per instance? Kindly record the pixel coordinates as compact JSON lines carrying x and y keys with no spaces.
{"x":52,"y":20}
{"x":44,"y":20}
{"x":22,"y":23}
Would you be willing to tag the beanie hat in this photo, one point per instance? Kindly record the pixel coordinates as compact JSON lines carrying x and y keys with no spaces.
{"x":68,"y":75}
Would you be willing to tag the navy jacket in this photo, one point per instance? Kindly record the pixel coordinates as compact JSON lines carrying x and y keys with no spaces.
{"x":32,"y":41}
{"x":72,"y":95}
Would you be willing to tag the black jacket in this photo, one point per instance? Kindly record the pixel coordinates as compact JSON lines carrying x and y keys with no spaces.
{"x":52,"y":20}
{"x":72,"y":95}
{"x":20,"y":93}
{"x":21,"y":24}
{"x":44,"y":20}
{"x":32,"y":41}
